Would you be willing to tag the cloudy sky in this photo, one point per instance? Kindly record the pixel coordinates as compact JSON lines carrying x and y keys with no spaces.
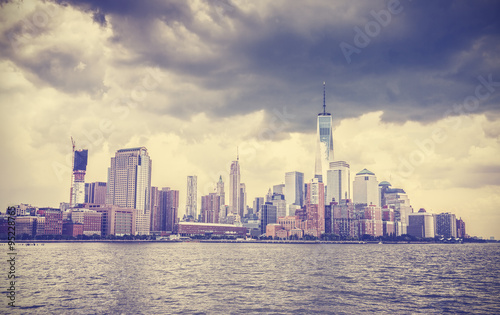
{"x":413,"y":86}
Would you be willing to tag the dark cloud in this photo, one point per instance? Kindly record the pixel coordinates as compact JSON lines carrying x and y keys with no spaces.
{"x":425,"y":60}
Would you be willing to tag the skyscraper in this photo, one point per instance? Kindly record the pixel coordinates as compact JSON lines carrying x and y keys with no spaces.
{"x":79,"y":168}
{"x":315,"y":205}
{"x":365,"y":188}
{"x":234,"y":187}
{"x":191,"y":197}
{"x":294,"y":188}
{"x":446,"y":224}
{"x":338,"y":181}
{"x":129,"y":184}
{"x":324,"y":142}
{"x":96,"y":193}
{"x":222,"y":199}
{"x":243,"y":200}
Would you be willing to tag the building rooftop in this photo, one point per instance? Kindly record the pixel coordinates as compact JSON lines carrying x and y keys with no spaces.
{"x":365,"y":172}
{"x":385,"y":183}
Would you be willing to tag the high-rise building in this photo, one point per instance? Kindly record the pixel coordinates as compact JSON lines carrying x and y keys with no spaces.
{"x":168,"y":208}
{"x":95,"y":193}
{"x":397,"y":199}
{"x":268,"y":216}
{"x":365,"y":188}
{"x":338,"y":181}
{"x":79,"y":168}
{"x":324,"y":142}
{"x":257,"y":203}
{"x":129,"y":185}
{"x":446,"y":224}
{"x":421,"y":224}
{"x":315,"y":206}
{"x":243,"y":200}
{"x":461,"y":228}
{"x":234,"y":187}
{"x":210,"y":207}
{"x":279,"y":189}
{"x":280,"y":203}
{"x":222,"y":198}
{"x":191,"y":197}
{"x":294,"y":188}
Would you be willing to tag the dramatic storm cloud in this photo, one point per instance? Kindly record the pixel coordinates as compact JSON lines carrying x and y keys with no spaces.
{"x":413,"y":86}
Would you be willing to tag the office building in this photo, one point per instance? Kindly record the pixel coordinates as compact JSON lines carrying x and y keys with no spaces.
{"x":365,"y":188}
{"x":234,"y":188}
{"x":421,"y":224}
{"x":192,"y":197}
{"x":268,"y":216}
{"x":95,"y":193}
{"x":446,"y":225}
{"x":129,"y":185}
{"x":461,"y":228}
{"x":243,"y":200}
{"x":315,"y":206}
{"x":280,"y":203}
{"x":294,"y":188}
{"x":90,"y":219}
{"x":338,"y":182}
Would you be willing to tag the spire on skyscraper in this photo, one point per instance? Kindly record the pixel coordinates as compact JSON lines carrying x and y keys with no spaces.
{"x":324,"y":98}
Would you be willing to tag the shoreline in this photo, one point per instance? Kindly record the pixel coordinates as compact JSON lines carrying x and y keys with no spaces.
{"x":28,"y":242}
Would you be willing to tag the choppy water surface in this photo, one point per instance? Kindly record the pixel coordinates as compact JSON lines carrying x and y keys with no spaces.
{"x":187,"y":278}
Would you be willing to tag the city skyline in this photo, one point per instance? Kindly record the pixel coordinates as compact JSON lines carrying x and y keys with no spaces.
{"x":83,"y":70}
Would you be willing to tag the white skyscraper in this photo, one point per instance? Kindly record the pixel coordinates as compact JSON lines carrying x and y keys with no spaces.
{"x":324,"y":142}
{"x":129,"y":184}
{"x":365,"y":188}
{"x":191,"y":197}
{"x":294,"y":188}
{"x":338,"y":181}
{"x":234,"y":187}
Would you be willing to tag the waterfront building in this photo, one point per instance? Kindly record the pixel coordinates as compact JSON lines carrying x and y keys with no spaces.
{"x":210,"y":207}
{"x":338,"y":181}
{"x":192,"y":197}
{"x":421,"y":224}
{"x":370,"y":221}
{"x":315,"y":206}
{"x":461,"y":228}
{"x":324,"y":142}
{"x":388,"y":221}
{"x":53,"y":221}
{"x":446,"y":225}
{"x":210,"y":229}
{"x":72,"y":229}
{"x":268,"y":216}
{"x":116,"y":220}
{"x":129,"y":185}
{"x":397,"y":199}
{"x":343,"y":219}
{"x":365,"y":188}
{"x":90,"y":219}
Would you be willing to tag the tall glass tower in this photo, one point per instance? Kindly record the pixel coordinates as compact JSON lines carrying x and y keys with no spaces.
{"x":129,"y":184}
{"x":324,"y":142}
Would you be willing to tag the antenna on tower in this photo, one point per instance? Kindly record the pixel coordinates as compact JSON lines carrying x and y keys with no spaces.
{"x":324,"y":98}
{"x":237,"y":154}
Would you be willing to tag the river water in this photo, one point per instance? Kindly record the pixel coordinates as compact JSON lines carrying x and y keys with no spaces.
{"x":208,"y":278}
